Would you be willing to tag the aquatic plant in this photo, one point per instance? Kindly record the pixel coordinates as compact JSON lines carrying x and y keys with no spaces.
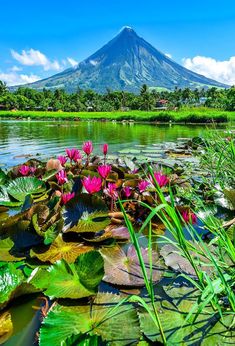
{"x":104,"y":171}
{"x":65,"y":230}
{"x":61,"y":177}
{"x":92,"y":185}
{"x":73,"y":154}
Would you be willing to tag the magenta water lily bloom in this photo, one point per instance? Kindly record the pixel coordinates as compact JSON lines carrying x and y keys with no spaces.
{"x":161,"y":179}
{"x":104,"y":171}
{"x":61,"y":177}
{"x":92,"y":185}
{"x":24,"y":170}
{"x":33,"y":170}
{"x":143,"y":184}
{"x":73,"y":154}
{"x":189,"y":217}
{"x":65,"y":197}
{"x":105,"y":149}
{"x":127,"y":191}
{"x":87,"y":147}
{"x":111,"y":190}
{"x":62,"y":159}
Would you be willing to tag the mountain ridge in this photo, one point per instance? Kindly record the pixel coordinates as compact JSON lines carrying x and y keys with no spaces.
{"x":125,"y":63}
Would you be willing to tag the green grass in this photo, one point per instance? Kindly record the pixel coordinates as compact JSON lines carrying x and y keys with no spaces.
{"x":189,"y":115}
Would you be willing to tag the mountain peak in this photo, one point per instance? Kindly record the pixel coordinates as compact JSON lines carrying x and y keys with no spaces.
{"x":128,"y":31}
{"x":126,"y":63}
{"x":126,"y":28}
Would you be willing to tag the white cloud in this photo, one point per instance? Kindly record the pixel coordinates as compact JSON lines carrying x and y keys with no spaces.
{"x":72,"y":62}
{"x":222,"y":71}
{"x":15,"y":68}
{"x":168,"y":55}
{"x":13,"y":78}
{"x":34,"y":57}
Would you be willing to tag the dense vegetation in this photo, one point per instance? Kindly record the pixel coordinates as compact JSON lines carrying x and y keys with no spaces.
{"x":88,"y":100}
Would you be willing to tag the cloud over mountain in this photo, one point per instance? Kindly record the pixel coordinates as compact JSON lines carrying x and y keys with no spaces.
{"x":34,"y":57}
{"x":13,"y":78}
{"x":223,"y":71}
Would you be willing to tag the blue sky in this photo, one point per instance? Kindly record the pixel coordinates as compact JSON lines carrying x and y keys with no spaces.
{"x":41,"y":38}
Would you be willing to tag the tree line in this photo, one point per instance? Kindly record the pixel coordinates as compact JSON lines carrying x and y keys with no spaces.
{"x":88,"y":100}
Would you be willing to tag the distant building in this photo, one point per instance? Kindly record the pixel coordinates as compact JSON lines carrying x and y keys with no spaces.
{"x":162,"y":104}
{"x":124,"y":109}
{"x":202,"y":100}
{"x":90,"y":109}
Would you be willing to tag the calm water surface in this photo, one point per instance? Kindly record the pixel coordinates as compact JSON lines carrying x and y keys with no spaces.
{"x":49,"y":138}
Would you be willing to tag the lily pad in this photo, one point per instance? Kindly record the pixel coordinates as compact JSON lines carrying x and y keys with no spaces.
{"x":81,"y":205}
{"x":123,"y":268}
{"x":23,"y":186}
{"x":230,"y":195}
{"x":93,"y":222}
{"x":119,"y":327}
{"x":3,"y":177}
{"x":111,"y":232}
{"x":5,"y":199}
{"x":10,"y":279}
{"x":5,"y":255}
{"x":59,"y":249}
{"x":207,"y":330}
{"x":174,"y":259}
{"x":77,"y":280}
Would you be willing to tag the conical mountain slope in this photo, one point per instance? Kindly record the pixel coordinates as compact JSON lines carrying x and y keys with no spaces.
{"x":126,"y":63}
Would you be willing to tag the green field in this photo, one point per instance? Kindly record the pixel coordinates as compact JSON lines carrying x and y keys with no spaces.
{"x":189,"y":115}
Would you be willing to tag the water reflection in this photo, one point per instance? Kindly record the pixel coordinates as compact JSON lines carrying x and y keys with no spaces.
{"x":49,"y":138}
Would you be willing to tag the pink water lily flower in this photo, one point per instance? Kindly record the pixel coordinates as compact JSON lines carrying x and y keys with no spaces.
{"x":105,"y":149}
{"x":189,"y":217}
{"x":33,"y":170}
{"x":62,"y":159}
{"x":161,"y":179}
{"x":92,"y":185}
{"x":65,"y":197}
{"x":24,"y":170}
{"x":111,"y":190}
{"x":104,"y":171}
{"x":61,"y":177}
{"x":143,"y":184}
{"x":127,"y":191}
{"x":87,"y":147}
{"x":74,"y":154}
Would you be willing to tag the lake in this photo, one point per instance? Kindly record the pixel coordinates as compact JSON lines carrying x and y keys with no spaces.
{"x":50,"y":138}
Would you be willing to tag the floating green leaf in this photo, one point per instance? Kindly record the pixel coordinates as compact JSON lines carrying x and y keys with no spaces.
{"x":207,"y":330}
{"x":23,"y":186}
{"x":3,"y":177}
{"x":5,"y":246}
{"x":93,"y":222}
{"x":5,"y":199}
{"x":117,"y":327}
{"x":63,"y":280}
{"x":10,"y":279}
{"x":83,"y":204}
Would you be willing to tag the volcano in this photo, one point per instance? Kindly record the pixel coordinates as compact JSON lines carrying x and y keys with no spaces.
{"x":126,"y":63}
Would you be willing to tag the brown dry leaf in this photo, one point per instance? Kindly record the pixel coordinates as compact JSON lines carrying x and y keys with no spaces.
{"x":6,"y":327}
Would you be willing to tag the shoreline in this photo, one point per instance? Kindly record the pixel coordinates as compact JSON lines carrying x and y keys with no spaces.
{"x":185,"y":116}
